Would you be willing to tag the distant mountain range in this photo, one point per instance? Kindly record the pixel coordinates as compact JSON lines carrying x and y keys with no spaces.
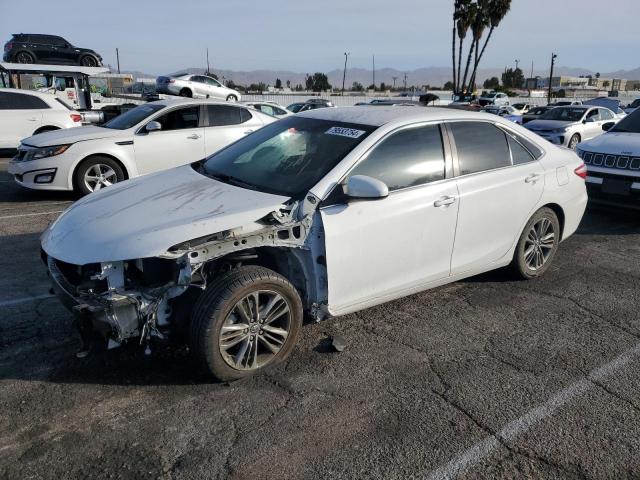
{"x":434,"y":76}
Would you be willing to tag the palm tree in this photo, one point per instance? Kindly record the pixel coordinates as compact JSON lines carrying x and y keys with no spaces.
{"x":462,"y":25}
{"x":456,"y":15}
{"x":495,"y":11}
{"x":473,"y":16}
{"x":481,"y":22}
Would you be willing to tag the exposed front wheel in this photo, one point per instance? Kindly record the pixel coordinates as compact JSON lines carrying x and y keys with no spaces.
{"x":538,"y":245}
{"x":574,"y":141}
{"x":96,"y":173}
{"x":89,"y":61}
{"x":248,"y":319}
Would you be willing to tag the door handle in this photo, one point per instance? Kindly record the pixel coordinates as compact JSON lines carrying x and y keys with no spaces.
{"x":533,"y":178}
{"x":444,"y":202}
{"x":247,"y":132}
{"x":31,"y":119}
{"x":193,"y":137}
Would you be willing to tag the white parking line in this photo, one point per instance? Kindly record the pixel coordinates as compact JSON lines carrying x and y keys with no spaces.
{"x":478,"y":452}
{"x":18,"y":301}
{"x":30,"y":214}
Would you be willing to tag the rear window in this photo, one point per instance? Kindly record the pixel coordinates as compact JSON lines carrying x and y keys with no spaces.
{"x":481,"y":146}
{"x":21,"y":101}
{"x":222,"y":115}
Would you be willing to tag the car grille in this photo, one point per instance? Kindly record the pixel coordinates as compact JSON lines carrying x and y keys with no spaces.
{"x":621,"y":162}
{"x":72,"y":277}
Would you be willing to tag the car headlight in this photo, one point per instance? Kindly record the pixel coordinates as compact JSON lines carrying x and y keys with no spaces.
{"x":559,"y":130}
{"x":44,"y":152}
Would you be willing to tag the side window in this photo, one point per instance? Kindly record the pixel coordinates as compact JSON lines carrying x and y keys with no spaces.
{"x":17,"y":101}
{"x":594,"y":115}
{"x":180,"y":119}
{"x":519,"y":154}
{"x":606,"y":114}
{"x":481,"y":146}
{"x":265,"y":109}
{"x":198,"y":78}
{"x":57,"y":41}
{"x":410,"y":157}
{"x":221,"y":115}
{"x":279,"y":111}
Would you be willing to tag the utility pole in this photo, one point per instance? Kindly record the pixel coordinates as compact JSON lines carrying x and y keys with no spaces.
{"x":517,"y":63}
{"x":374,"y":73}
{"x":553,"y":61}
{"x":394,"y":82}
{"x":208,"y":69}
{"x":118,"y":59}
{"x":405,"y":81}
{"x":344,"y":74}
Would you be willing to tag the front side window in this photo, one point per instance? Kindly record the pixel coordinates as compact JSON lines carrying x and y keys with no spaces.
{"x":606,"y":114}
{"x":481,"y":146}
{"x":565,"y":114}
{"x":593,"y":115}
{"x":19,"y":101}
{"x":133,"y":117}
{"x":410,"y":157}
{"x":212,"y":81}
{"x":180,"y":118}
{"x":287,"y":157}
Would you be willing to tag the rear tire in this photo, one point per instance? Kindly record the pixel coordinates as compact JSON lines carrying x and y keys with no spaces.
{"x":95,"y":173}
{"x":24,"y":57}
{"x":232,"y":98}
{"x":537,"y":246}
{"x":185,"y":92}
{"x":219,"y":339}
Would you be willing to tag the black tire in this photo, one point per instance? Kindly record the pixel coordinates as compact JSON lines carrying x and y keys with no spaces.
{"x":24,"y":57}
{"x":185,"y":92}
{"x":218,"y":302}
{"x":232,"y":98}
{"x":523,"y":264}
{"x":574,"y":141}
{"x":89,"y":61}
{"x":88,"y":164}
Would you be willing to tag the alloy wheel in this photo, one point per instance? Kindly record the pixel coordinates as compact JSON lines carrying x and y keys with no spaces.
{"x":539,"y":244}
{"x":24,"y":57}
{"x":255,"y":330}
{"x":98,"y":176}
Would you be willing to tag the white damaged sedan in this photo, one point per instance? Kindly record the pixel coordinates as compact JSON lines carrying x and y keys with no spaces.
{"x":324,"y":213}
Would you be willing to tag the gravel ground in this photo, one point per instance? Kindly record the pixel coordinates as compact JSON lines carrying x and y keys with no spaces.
{"x":485,"y":378}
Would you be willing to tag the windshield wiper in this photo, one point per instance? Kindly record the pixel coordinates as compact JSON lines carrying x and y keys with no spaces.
{"x":223,"y":177}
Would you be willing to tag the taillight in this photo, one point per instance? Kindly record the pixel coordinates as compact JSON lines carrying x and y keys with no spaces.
{"x":76,"y":117}
{"x":171,"y":81}
{"x":581,"y":171}
{"x":8,"y":46}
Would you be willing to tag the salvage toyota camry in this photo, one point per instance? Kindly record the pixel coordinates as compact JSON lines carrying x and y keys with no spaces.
{"x":319,"y":214}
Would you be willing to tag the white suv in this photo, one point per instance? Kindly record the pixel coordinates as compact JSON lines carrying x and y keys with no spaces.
{"x":24,"y":113}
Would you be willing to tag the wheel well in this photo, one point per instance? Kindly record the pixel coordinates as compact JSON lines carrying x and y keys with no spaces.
{"x":557,"y":209}
{"x":24,"y":51}
{"x":185,"y":89}
{"x":124,"y":169}
{"x":46,"y":128}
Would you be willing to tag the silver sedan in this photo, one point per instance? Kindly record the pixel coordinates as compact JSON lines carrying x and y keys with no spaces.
{"x":195,"y":86}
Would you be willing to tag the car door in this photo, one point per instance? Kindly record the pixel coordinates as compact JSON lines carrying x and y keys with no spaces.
{"x":200,"y":87}
{"x":593,"y":125}
{"x":497,"y":197}
{"x":215,"y":89}
{"x":180,"y":141}
{"x":377,"y":250}
{"x":20,"y":116}
{"x":226,"y":124}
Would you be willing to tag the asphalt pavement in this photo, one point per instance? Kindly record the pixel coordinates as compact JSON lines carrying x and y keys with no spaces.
{"x":484,"y":378}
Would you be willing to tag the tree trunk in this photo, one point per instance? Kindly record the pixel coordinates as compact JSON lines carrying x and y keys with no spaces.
{"x":475,"y":68}
{"x":472,"y":80}
{"x":453,"y":54}
{"x":459,"y":65}
{"x":466,"y":70}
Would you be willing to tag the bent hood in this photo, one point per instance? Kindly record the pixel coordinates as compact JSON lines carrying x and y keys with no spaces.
{"x":614,"y":143}
{"x":72,"y":135}
{"x":146,"y":216}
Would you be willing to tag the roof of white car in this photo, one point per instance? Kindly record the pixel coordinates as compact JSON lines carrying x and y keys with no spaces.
{"x":378,"y":116}
{"x":49,"y":98}
{"x":191,"y":101}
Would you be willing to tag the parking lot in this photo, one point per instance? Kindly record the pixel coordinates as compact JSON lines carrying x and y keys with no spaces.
{"x":485,"y":378}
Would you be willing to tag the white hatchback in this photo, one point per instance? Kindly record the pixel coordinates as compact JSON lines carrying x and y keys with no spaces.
{"x":24,"y":113}
{"x":151,"y":137}
{"x":326,"y":213}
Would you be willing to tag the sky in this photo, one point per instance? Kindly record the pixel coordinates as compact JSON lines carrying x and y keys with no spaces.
{"x":302,"y":36}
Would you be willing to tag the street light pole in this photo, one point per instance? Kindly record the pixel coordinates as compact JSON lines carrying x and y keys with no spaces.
{"x":553,"y":61}
{"x":344,"y":74}
{"x":118,"y":59}
{"x":208,"y":69}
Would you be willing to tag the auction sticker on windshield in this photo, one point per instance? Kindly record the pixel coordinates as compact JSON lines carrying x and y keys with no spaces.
{"x":345,"y":132}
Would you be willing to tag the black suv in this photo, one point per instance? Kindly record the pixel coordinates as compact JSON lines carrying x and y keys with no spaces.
{"x":49,"y":49}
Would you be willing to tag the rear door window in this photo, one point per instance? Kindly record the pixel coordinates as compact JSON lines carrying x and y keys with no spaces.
{"x":223,"y":115}
{"x":410,"y":157}
{"x":19,"y":101}
{"x":481,"y":146}
{"x":180,"y":119}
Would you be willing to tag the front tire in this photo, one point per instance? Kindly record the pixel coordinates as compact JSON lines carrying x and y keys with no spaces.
{"x":574,"y":141}
{"x":96,"y":173}
{"x":89,"y":61}
{"x":250,"y":318}
{"x":185,"y":92}
{"x":537,"y":246}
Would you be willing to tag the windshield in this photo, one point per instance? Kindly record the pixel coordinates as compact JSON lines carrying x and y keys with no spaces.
{"x":133,"y":117}
{"x":287,"y":157}
{"x":564,"y":114}
{"x":490,"y":95}
{"x":294,"y":107}
{"x":629,"y":124}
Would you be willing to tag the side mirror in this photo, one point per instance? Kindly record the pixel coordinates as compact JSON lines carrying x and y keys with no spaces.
{"x":153,"y":126}
{"x":608,"y":126}
{"x":364,"y":187}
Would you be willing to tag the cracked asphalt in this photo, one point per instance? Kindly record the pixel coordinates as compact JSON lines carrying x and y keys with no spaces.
{"x":484,"y":378}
